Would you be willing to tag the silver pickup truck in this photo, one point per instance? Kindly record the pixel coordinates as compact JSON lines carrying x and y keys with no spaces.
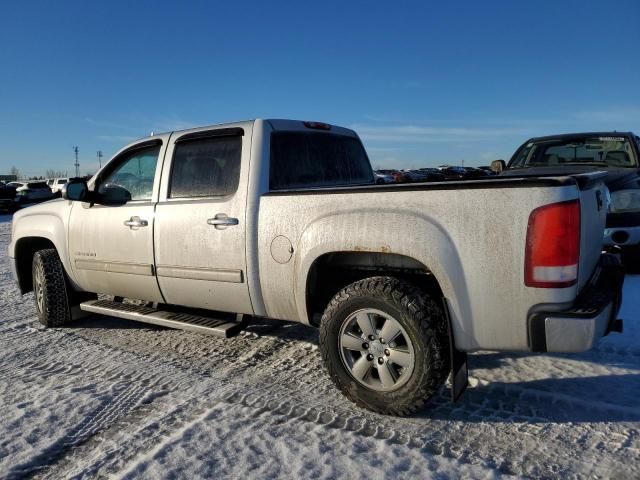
{"x":282,"y":219}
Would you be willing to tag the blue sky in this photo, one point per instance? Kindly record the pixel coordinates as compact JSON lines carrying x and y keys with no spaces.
{"x":424,"y":83}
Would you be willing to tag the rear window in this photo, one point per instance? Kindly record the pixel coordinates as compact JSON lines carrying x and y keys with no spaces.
{"x":313,"y":159}
{"x":38,"y":185}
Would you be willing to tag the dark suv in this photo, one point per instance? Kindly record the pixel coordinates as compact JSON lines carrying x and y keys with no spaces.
{"x":616,"y":153}
{"x":7,"y":198}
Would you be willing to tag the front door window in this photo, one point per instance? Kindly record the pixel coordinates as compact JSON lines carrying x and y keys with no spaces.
{"x":135,"y":173}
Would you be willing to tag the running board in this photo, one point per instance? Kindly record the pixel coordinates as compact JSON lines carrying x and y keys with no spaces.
{"x":184,"y":321}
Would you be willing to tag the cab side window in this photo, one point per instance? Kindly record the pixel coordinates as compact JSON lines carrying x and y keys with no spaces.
{"x":135,"y":172}
{"x":206,"y":167}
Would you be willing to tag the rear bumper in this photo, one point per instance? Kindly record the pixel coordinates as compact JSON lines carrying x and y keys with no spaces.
{"x":592,"y":316}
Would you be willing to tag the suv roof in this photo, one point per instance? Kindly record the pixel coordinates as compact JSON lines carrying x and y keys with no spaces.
{"x":565,"y":136}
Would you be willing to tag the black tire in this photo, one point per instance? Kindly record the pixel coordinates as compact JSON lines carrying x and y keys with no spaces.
{"x":423,"y":321}
{"x":52,"y":293}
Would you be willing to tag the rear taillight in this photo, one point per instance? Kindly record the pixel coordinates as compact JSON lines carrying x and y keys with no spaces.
{"x":553,"y":246}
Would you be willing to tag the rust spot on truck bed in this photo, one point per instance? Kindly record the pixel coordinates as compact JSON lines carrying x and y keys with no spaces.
{"x":382,"y":248}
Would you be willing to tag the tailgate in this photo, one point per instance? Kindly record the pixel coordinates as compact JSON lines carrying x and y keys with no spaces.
{"x":594,"y":204}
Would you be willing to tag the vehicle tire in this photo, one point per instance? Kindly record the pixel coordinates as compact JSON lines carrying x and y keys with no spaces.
{"x":52,"y":293}
{"x":395,"y":375}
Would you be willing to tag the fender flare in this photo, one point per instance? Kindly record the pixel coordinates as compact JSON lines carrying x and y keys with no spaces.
{"x":424,"y":241}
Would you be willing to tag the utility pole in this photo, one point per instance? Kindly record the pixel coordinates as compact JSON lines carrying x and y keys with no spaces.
{"x":77,"y":165}
{"x":99,"y":159}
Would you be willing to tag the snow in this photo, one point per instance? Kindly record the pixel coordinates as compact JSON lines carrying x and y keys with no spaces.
{"x":107,"y":397}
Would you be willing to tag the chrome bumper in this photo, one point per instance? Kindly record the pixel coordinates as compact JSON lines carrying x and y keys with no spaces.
{"x":592,"y":316}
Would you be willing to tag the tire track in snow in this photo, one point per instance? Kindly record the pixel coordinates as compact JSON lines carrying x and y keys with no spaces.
{"x":125,"y":399}
{"x":498,"y":403}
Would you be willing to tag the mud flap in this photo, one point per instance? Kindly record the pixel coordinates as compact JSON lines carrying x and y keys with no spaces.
{"x":458,"y":361}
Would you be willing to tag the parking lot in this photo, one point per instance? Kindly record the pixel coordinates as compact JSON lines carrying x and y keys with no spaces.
{"x":111,"y":397}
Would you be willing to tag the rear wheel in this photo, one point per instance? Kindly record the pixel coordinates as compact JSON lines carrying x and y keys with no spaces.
{"x":52,"y":294}
{"x":385,"y":345}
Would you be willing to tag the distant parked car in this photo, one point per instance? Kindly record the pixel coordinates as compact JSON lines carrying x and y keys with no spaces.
{"x":423,"y":175}
{"x":383,"y":179}
{"x":56,"y":185}
{"x":7,"y":198}
{"x":488,"y":169}
{"x":432,"y":174}
{"x":453,"y":173}
{"x":398,"y":176}
{"x":473,"y":172}
{"x":31,"y":192}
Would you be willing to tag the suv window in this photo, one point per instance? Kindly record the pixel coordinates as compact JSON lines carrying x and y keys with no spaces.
{"x":135,"y":172}
{"x":206,"y":167}
{"x":305,"y":159}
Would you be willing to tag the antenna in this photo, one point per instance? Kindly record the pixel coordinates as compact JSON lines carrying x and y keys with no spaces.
{"x":77,"y":165}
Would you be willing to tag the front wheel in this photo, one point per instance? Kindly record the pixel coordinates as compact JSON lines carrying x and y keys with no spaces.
{"x":384,"y":343}
{"x":51,"y":291}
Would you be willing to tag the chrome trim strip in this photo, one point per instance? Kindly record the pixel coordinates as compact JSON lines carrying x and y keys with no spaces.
{"x":193,"y":273}
{"x":115,"y":267}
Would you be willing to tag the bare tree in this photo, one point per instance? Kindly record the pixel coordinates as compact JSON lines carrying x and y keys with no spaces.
{"x":14,"y":171}
{"x":50,"y":173}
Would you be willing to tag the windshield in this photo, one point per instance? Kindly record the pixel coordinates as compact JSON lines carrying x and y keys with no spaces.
{"x":598,"y":151}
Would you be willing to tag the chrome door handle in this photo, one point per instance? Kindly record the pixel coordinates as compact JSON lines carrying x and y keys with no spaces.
{"x":221,"y":221}
{"x":135,"y":222}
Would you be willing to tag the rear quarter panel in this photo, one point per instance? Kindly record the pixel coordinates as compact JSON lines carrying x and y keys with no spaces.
{"x":472,"y":240}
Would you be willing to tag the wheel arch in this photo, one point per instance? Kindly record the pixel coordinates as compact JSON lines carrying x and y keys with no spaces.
{"x":25,"y":249}
{"x":331,"y":272}
{"x":399,"y":238}
{"x":36,"y":228}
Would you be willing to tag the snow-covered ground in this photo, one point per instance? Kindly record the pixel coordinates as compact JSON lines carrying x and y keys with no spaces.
{"x":108,"y":397}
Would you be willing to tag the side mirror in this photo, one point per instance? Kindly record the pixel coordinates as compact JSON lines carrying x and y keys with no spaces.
{"x":112,"y":194}
{"x":75,"y":190}
{"x":498,"y":166}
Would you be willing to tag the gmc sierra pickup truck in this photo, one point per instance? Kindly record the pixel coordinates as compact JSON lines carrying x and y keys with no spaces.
{"x":283,"y":219}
